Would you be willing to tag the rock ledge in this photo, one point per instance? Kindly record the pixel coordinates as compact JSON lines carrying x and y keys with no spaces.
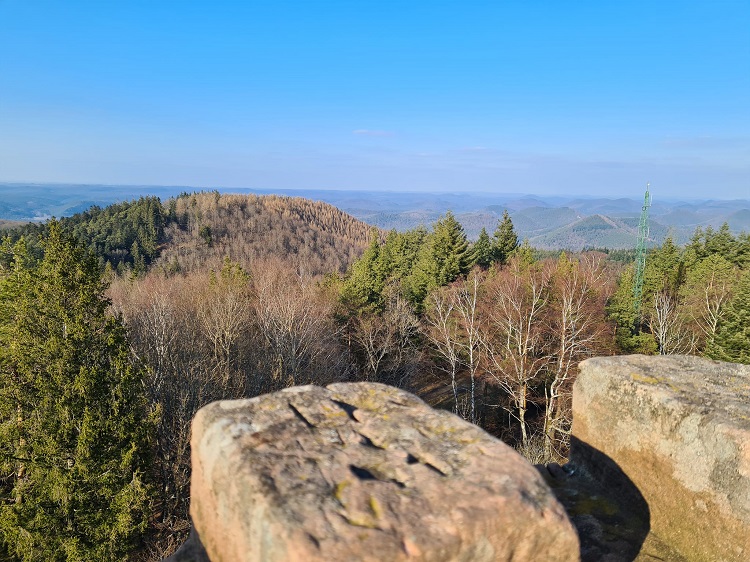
{"x":367,"y":472}
{"x":672,"y":435}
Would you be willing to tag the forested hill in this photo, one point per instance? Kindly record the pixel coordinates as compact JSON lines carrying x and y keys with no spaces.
{"x":196,"y":230}
{"x":311,"y":235}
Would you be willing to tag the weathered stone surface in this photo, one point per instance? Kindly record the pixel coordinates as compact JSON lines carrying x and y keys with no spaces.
{"x":364,"y":472}
{"x":610,"y":513}
{"x":678,"y":429}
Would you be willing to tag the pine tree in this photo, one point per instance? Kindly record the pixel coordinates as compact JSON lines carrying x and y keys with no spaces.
{"x":664,"y":270}
{"x":732,"y":340}
{"x":705,"y":294}
{"x":525,"y":254}
{"x":482,"y":249}
{"x":721,"y":242}
{"x":621,"y":309}
{"x":443,"y":258}
{"x":406,"y":248}
{"x":450,"y":250}
{"x":74,"y":424}
{"x":363,"y":286}
{"x":505,"y":240}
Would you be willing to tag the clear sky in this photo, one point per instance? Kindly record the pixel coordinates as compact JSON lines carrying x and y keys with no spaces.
{"x":558,"y":96}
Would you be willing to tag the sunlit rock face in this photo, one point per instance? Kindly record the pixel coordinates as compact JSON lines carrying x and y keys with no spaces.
{"x":363,"y":471}
{"x":669,"y":437}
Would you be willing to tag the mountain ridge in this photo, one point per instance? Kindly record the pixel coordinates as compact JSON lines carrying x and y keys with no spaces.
{"x":548,"y":222}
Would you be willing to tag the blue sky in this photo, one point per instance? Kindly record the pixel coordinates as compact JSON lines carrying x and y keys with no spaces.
{"x":584,"y":97}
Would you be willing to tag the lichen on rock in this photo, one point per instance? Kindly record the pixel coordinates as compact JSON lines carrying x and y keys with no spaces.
{"x":363,"y":471}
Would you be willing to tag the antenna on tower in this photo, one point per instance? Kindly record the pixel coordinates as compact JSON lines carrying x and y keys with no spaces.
{"x":640,"y":254}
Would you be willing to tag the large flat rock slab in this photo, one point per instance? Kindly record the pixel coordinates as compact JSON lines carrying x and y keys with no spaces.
{"x":673,"y":434}
{"x":363,"y":471}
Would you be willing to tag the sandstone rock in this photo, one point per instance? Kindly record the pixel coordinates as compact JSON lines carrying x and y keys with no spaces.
{"x":364,"y":472}
{"x":678,"y":429}
{"x":609,"y":512}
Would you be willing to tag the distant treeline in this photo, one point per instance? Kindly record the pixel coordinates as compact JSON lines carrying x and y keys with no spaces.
{"x":124,"y":235}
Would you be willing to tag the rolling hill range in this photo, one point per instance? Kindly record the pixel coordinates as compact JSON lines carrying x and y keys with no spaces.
{"x":555,"y":222}
{"x":197,"y":231}
{"x":550,"y":222}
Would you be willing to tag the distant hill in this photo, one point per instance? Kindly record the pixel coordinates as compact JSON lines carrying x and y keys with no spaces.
{"x":316,"y":237}
{"x":600,"y":231}
{"x":739,"y":220}
{"x":549,"y":222}
{"x":194,"y":231}
{"x":569,"y":223}
{"x":37,"y":202}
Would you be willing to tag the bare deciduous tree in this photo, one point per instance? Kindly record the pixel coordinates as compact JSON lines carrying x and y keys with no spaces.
{"x":385,"y":341}
{"x":224,"y":316}
{"x":466,"y":300}
{"x":667,"y":324}
{"x":706,"y":293}
{"x":578,"y":291}
{"x":517,"y":299}
{"x":295,"y":324}
{"x":443,"y":333}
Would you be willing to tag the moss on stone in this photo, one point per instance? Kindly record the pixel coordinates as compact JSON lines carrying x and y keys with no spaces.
{"x":594,"y":505}
{"x":646,"y":379}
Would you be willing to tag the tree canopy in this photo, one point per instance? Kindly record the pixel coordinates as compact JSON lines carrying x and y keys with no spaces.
{"x":74,"y":424}
{"x":505,"y":239}
{"x":732,"y":339}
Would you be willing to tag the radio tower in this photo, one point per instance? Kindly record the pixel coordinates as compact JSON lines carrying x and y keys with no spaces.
{"x":640,"y":255}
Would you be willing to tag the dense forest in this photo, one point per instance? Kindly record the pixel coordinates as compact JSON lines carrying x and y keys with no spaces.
{"x":198,"y":230}
{"x":117,"y":324}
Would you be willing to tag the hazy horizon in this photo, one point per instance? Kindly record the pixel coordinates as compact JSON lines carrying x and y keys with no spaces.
{"x":445,"y":97}
{"x":143,"y":189}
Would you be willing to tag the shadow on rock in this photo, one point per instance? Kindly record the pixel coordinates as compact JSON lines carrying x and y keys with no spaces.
{"x":191,"y":551}
{"x":607,"y":509}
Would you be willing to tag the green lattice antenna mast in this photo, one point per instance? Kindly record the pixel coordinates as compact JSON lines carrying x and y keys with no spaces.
{"x":640,"y":255}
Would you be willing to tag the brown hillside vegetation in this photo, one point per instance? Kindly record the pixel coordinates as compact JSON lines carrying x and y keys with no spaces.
{"x":313,"y":237}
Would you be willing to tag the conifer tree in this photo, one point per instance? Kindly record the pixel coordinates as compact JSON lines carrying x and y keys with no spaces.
{"x":74,"y":424}
{"x":705,"y":294}
{"x":621,"y":309}
{"x":404,"y":250}
{"x":450,"y":250}
{"x":364,"y":285}
{"x":664,"y":270}
{"x":721,"y":242}
{"x":525,"y":254}
{"x":482,"y":249}
{"x":444,"y":257}
{"x":732,"y":340}
{"x":697,"y":246}
{"x":505,"y":240}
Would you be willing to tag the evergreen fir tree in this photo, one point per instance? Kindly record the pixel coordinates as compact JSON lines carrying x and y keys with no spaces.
{"x":74,"y":424}
{"x":444,"y":257}
{"x":732,"y":341}
{"x":363,"y":286}
{"x":742,"y":250}
{"x":406,"y":251}
{"x":482,"y":249}
{"x":697,"y":245}
{"x":525,"y":254}
{"x":621,"y":309}
{"x":505,"y":240}
{"x":721,"y":242}
{"x":664,"y":272}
